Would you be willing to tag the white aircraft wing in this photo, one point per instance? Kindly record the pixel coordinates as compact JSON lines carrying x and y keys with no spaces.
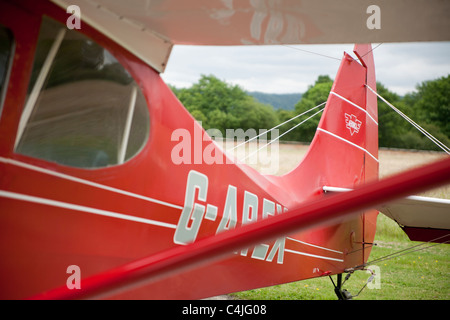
{"x":422,"y":218}
{"x":149,"y":28}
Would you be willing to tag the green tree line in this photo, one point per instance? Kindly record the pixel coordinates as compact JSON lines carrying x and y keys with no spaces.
{"x":222,"y":106}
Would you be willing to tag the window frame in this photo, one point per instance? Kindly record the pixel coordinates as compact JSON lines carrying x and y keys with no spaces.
{"x":121,"y":55}
{"x":9,"y":65}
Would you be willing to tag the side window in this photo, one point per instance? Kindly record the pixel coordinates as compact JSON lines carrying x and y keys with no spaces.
{"x":6,"y":52}
{"x":83,"y":108}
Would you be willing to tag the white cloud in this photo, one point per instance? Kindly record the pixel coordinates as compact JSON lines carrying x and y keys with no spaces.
{"x":401,"y":67}
{"x":282,"y":69}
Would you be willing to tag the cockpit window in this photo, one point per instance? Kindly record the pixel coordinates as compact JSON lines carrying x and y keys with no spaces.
{"x":6,"y":49}
{"x":83,"y":108}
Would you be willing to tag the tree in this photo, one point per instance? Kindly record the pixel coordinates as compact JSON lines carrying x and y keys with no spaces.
{"x":314,"y":96}
{"x":391,"y":126}
{"x":222,"y":106}
{"x":432,"y":103}
{"x":429,"y":106}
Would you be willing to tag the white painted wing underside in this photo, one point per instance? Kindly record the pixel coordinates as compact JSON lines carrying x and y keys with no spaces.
{"x":420,"y":212}
{"x":414,"y":211}
{"x":149,"y":28}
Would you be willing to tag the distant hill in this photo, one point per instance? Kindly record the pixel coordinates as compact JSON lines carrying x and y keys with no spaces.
{"x":278,"y":101}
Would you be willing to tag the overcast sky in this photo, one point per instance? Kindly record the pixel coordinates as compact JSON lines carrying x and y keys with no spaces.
{"x":281,"y":69}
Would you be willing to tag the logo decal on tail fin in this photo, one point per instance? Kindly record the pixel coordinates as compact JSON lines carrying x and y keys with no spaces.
{"x":352,"y":123}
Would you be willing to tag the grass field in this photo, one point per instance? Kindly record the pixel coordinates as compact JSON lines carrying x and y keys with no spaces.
{"x":420,"y":275}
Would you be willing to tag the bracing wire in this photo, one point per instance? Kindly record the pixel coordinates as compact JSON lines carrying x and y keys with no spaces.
{"x":324,"y":55}
{"x":371,"y":50}
{"x":312,"y":52}
{"x":408,"y":250}
{"x":418,"y":247}
{"x":414,"y":124}
{"x":396,"y":255}
{"x":287,"y":131}
{"x":277,"y":126}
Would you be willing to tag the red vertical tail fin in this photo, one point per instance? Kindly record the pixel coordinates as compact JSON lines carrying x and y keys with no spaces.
{"x":344,"y":151}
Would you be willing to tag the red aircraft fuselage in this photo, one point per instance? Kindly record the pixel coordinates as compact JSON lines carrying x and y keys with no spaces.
{"x":123,"y":197}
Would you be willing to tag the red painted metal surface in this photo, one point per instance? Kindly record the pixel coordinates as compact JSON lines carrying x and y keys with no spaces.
{"x":309,"y":215}
{"x":54,"y":216}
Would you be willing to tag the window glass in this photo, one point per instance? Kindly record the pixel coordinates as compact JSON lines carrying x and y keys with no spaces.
{"x":83,"y":108}
{"x":6,"y":48}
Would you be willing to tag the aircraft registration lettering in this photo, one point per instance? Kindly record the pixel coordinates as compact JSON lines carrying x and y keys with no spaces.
{"x":194,"y":212}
